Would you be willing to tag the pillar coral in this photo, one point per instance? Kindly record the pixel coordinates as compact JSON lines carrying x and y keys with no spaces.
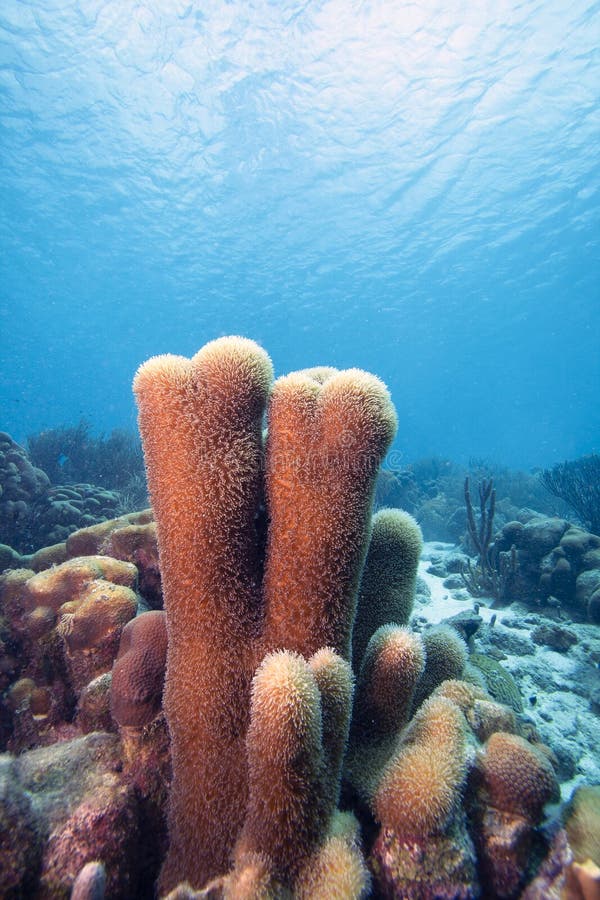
{"x":328,"y":432}
{"x":230,"y":596}
{"x":387,"y":589}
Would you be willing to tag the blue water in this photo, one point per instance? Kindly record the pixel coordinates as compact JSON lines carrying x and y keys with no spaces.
{"x":412,"y":188}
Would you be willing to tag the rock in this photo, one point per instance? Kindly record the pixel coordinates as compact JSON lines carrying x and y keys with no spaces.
{"x":21,"y":486}
{"x":499,"y":682}
{"x":441,"y":868}
{"x":454,"y":582}
{"x":554,"y":636}
{"x":587,"y":583}
{"x":90,"y":884}
{"x":467,"y":623}
{"x":20,"y":836}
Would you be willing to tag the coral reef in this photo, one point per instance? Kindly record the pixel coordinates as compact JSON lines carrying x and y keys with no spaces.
{"x":67,"y":508}
{"x":280,"y":779}
{"x":553,"y":559}
{"x":37,"y":510}
{"x":79,"y":810}
{"x":70,"y":454}
{"x":21,"y":486}
{"x":63,"y":627}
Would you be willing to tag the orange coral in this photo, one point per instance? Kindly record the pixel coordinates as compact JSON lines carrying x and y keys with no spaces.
{"x":67,"y":623}
{"x":286,"y":806}
{"x":327,"y":436}
{"x":422,"y":784}
{"x":483,"y":715}
{"x":64,"y":583}
{"x":201,"y":425}
{"x":201,"y":422}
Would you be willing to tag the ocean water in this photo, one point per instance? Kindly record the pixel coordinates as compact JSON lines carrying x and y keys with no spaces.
{"x":411,"y":188}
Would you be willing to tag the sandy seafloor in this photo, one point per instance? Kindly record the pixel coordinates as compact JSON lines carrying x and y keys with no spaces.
{"x":555,"y":686}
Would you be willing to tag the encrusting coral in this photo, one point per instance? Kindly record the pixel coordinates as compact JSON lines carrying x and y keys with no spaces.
{"x":65,"y":624}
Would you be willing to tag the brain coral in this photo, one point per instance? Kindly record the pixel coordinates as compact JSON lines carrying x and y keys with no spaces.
{"x":139,"y":670}
{"x":498,"y":681}
{"x":518,"y":777}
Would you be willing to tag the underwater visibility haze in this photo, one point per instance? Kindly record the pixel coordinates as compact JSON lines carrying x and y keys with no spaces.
{"x":410,"y":188}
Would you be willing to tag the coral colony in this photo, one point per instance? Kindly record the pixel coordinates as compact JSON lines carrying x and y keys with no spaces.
{"x":279,"y":729}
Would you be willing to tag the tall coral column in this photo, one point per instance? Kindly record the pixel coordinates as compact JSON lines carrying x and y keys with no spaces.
{"x":201,"y":422}
{"x":201,"y":425}
{"x":328,"y":433}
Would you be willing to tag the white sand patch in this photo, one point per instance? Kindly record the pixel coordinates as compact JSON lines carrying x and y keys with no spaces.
{"x":554,"y":685}
{"x":444,"y":602}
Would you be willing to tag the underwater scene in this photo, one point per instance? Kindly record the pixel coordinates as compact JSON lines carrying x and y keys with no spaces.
{"x":300,"y":450}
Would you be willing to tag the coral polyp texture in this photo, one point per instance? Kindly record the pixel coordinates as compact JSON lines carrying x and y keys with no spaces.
{"x":519,"y":778}
{"x":582,"y":821}
{"x":387,"y":587}
{"x":65,"y":625}
{"x":139,"y":670}
{"x":201,"y":424}
{"x":421,"y":785}
{"x":281,"y":772}
{"x":327,"y":437}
